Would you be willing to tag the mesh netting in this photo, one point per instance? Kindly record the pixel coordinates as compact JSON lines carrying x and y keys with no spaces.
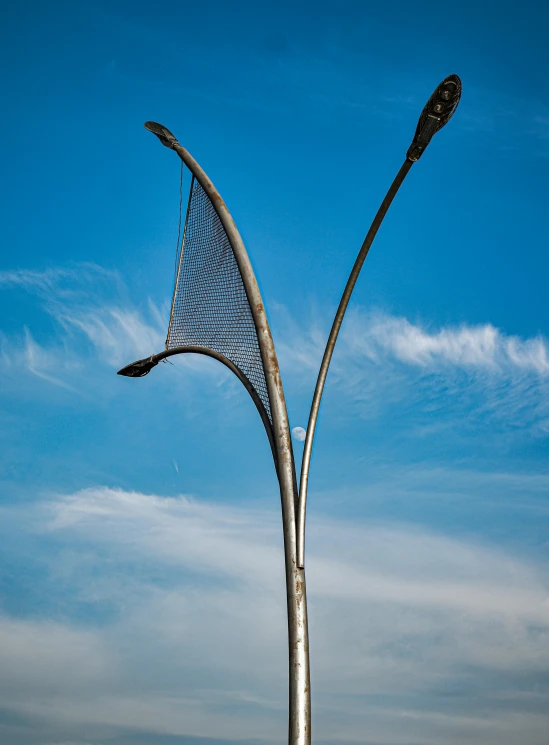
{"x":210,"y":308}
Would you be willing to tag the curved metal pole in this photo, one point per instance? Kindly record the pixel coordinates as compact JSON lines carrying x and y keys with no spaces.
{"x":436,"y":113}
{"x":143,"y":367}
{"x":298,"y":633}
{"x":299,"y":727}
{"x":328,"y":352}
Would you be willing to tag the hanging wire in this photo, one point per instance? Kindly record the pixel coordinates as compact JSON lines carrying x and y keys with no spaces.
{"x":179,"y":255}
{"x":178,"y":245}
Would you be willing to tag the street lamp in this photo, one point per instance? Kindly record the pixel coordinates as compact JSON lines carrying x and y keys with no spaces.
{"x":436,"y":113}
{"x":217,"y":310}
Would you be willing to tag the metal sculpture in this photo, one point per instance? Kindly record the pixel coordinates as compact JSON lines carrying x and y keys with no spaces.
{"x":217,"y":310}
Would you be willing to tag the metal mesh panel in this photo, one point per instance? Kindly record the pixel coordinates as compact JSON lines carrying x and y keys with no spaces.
{"x":210,"y":308}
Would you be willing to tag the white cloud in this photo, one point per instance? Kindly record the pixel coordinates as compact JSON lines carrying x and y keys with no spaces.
{"x":413,"y":634}
{"x":468,"y":374}
{"x":119,"y":335}
{"x":89,"y":307}
{"x":54,"y":279}
{"x":96,"y":325}
{"x":471,"y":375}
{"x":468,"y":347}
{"x":380,"y":337}
{"x":41,"y":655}
{"x":43,"y":363}
{"x":34,"y":280}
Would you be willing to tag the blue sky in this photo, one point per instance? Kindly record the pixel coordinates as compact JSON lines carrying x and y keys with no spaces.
{"x":141,"y":576}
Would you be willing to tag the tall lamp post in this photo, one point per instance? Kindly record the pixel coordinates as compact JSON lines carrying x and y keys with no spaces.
{"x":217,"y":310}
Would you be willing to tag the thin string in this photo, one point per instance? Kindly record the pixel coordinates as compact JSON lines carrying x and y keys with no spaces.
{"x":178,"y":244}
{"x":179,"y":253}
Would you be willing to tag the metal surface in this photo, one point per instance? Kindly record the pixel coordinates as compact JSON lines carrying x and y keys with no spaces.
{"x":299,"y":729}
{"x":436,"y":113}
{"x":328,"y":352}
{"x":217,"y":310}
{"x":210,"y":307}
{"x":142,"y":367}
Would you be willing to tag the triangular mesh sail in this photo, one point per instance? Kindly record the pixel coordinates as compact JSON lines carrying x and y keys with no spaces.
{"x":210,"y":308}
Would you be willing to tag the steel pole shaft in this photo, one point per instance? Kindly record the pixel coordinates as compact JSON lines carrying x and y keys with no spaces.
{"x":338,"y":320}
{"x":299,"y":730}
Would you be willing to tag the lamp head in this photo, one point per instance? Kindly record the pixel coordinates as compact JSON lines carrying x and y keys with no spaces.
{"x":437,"y":112}
{"x":138,"y":369}
{"x":163,"y":134}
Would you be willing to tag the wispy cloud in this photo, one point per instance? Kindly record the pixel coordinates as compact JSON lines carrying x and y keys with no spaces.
{"x":382,"y":560}
{"x":43,"y":363}
{"x":382,"y":360}
{"x":378,"y":336}
{"x":414,"y":634}
{"x":117,"y":334}
{"x":95,"y":323}
{"x":87,"y":303}
{"x":53,"y":279}
{"x":466,"y":371}
{"x":469,"y":347}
